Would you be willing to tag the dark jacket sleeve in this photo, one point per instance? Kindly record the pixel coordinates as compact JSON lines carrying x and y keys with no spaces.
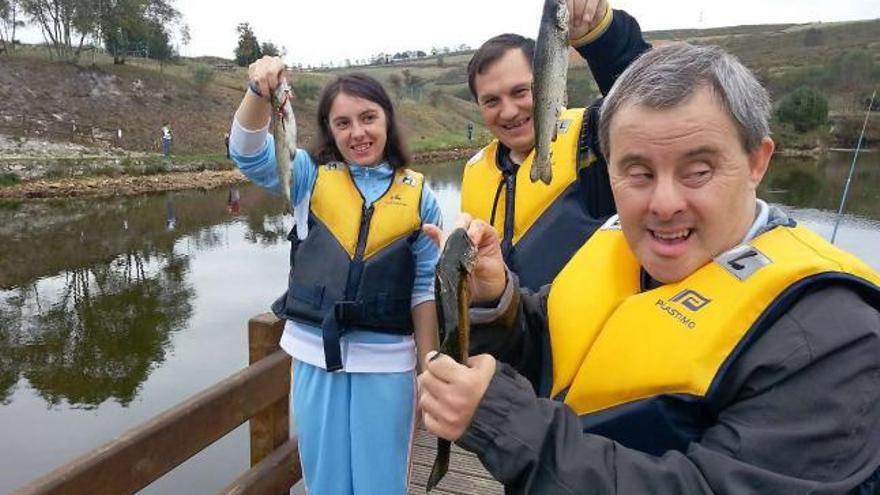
{"x":519,"y":335}
{"x":800,"y":414}
{"x":610,"y":54}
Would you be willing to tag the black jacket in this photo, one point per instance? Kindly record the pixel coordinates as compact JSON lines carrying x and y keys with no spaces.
{"x":798,"y":411}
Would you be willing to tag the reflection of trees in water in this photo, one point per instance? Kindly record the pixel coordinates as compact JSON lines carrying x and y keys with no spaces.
{"x":90,"y":312}
{"x":10,"y":325}
{"x":810,"y":183}
{"x":795,"y":187}
{"x":57,"y":236}
{"x":108,"y":327}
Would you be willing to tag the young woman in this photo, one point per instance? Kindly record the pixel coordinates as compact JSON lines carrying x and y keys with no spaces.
{"x":360,"y":302}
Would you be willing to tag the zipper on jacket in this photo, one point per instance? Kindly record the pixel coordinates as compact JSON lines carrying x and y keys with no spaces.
{"x":366,"y":216}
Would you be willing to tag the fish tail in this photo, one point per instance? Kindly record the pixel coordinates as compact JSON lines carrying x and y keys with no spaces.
{"x":441,"y":464}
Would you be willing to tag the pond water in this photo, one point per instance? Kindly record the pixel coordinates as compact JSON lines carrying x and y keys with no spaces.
{"x":114,"y":310}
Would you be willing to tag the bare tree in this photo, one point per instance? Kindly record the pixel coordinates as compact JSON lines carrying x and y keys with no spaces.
{"x":10,"y":19}
{"x":64,"y":23}
{"x":185,"y":36}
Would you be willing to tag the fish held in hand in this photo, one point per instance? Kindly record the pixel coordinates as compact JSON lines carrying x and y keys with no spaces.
{"x":283,"y":128}
{"x":452,"y":293}
{"x":548,"y":87}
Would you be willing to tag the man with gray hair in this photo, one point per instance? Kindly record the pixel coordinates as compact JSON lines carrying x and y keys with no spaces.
{"x":700,"y":342}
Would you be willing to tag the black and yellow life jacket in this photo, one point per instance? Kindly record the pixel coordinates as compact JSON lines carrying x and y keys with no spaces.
{"x":356,"y":267}
{"x":624,"y":357}
{"x":544,"y":224}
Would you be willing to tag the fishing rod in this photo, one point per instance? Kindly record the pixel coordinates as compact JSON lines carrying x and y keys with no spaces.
{"x":852,"y":168}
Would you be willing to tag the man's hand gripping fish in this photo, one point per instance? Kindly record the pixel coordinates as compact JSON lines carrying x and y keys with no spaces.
{"x":452,"y":291}
{"x":283,"y":129}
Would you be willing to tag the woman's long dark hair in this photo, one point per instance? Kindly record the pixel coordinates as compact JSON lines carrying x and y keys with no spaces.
{"x":361,"y":86}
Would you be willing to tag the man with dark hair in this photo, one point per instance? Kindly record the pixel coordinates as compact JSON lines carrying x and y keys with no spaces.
{"x":542,"y":225}
{"x":700,"y":342}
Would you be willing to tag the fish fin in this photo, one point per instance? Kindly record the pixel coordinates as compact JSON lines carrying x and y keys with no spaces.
{"x":556,"y":127}
{"x":547,"y":173}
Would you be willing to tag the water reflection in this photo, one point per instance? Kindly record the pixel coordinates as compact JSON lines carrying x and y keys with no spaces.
{"x":89,"y":315}
{"x":97,"y":335}
{"x":819,"y":183}
{"x":233,"y":201}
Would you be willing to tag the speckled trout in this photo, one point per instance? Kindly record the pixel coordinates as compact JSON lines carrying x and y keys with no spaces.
{"x":452,"y":294}
{"x":283,"y":128}
{"x":548,"y":87}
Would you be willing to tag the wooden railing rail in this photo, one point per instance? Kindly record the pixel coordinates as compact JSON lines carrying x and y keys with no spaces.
{"x":259,"y":393}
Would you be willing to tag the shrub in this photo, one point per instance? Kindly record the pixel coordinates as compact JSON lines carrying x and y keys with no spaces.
{"x":202,"y":75}
{"x":9,"y":179}
{"x":804,"y":108}
{"x":305,"y":90}
{"x":463,"y":93}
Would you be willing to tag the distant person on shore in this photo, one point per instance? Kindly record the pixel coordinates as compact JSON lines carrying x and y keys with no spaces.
{"x":167,"y":136}
{"x":470,"y":131}
{"x":541,"y":225}
{"x":226,"y":143}
{"x":359,"y":309}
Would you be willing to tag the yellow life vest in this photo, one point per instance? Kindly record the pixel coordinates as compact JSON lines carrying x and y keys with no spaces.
{"x":338,"y":204}
{"x":550,"y":221}
{"x":613,"y":345}
{"x":482,"y":176}
{"x":356,"y":267}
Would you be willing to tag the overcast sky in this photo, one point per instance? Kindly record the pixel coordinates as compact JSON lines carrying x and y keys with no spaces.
{"x":321,"y":31}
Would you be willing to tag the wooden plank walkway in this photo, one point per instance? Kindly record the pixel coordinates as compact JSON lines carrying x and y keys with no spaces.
{"x":466,"y":474}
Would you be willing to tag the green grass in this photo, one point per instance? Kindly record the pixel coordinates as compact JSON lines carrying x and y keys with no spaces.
{"x":10,"y":204}
{"x":9,"y":180}
{"x":787,"y":138}
{"x":449,"y":141}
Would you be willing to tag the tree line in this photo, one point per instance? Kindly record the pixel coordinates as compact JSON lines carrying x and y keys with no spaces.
{"x":124,"y":27}
{"x":249,"y":49}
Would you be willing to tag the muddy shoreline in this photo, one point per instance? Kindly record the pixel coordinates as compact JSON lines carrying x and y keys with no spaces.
{"x":181,"y":177}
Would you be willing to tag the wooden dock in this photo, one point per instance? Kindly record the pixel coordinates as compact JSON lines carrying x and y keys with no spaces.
{"x":466,"y":474}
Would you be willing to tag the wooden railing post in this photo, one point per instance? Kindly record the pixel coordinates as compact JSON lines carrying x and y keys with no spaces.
{"x":270,"y":428}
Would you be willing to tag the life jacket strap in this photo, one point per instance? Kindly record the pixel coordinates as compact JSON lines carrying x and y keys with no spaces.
{"x":332,"y":332}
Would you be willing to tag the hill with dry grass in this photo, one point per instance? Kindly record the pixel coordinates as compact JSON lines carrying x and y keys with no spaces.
{"x":88,"y":102}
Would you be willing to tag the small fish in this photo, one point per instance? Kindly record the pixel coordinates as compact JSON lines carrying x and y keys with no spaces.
{"x":283,"y":129}
{"x":550,"y":72}
{"x":452,"y":292}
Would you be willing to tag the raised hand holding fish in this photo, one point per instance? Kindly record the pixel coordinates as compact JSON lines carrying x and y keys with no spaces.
{"x":283,"y":129}
{"x":266,"y":80}
{"x":548,"y":86}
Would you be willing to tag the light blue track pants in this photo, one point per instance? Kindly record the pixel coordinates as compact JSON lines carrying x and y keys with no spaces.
{"x":355,"y":430}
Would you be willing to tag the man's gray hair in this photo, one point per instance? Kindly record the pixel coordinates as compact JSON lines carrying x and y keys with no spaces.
{"x":667,"y":76}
